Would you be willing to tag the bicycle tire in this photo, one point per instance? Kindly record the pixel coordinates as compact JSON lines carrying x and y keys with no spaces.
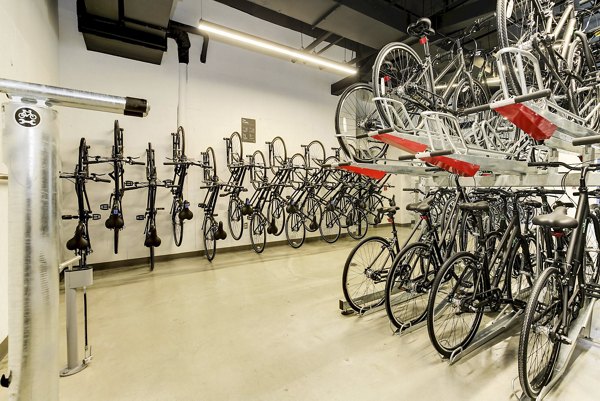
{"x":372,"y":251}
{"x":592,"y":250}
{"x":509,"y":34}
{"x":299,"y":173}
{"x":276,"y":211}
{"x":358,"y":224}
{"x":236,"y":155}
{"x":442,"y":284}
{"x":295,"y":231}
{"x":277,"y":154}
{"x":235,"y":220}
{"x":258,"y":171}
{"x":332,"y":230}
{"x":544,"y":286}
{"x":211,"y":164}
{"x":208,"y":238}
{"x":404,"y":308}
{"x":313,"y":213}
{"x":317,"y":155}
{"x":258,"y":236}
{"x":393,"y":59}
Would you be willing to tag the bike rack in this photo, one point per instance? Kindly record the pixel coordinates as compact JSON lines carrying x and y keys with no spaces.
{"x":507,"y":319}
{"x":74,"y":280}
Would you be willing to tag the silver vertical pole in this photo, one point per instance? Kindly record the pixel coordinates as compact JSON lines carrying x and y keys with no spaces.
{"x":30,"y":152}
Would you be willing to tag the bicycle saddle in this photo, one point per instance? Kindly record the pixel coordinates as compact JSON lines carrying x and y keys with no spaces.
{"x":114,"y":221}
{"x":421,"y":28}
{"x":557,"y":219}
{"x":78,"y":241}
{"x":391,"y":209}
{"x":185,"y":214}
{"x":272,"y":229}
{"x":482,"y":206}
{"x":220,"y":234}
{"x":152,"y":238}
{"x":421,"y":207}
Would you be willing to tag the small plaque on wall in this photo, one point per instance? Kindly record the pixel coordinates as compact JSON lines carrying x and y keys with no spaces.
{"x":248,"y":130}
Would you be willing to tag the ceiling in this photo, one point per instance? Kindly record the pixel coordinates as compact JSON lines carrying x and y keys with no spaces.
{"x":132,"y":29}
{"x":364,"y":26}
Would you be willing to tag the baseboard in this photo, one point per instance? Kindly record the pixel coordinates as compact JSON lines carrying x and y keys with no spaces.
{"x":200,"y":253}
{"x":3,"y":348}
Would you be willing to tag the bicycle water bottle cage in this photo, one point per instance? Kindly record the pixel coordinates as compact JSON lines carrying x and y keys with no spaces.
{"x":220,"y":234}
{"x":152,"y":239}
{"x":114,"y":221}
{"x":185,"y":214}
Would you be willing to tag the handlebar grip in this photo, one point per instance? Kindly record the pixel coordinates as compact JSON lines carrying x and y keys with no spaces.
{"x":586,"y":140}
{"x":101,"y":179}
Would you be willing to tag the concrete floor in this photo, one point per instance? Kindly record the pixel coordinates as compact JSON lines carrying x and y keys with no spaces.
{"x":267,"y":327}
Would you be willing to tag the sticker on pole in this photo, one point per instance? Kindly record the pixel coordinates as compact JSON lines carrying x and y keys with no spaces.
{"x":27,"y":117}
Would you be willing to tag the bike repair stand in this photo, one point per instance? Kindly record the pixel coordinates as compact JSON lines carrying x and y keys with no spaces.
{"x":507,"y":319}
{"x":580,"y":334}
{"x":75,"y":278}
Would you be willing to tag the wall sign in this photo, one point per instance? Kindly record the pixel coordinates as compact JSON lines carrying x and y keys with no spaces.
{"x":27,"y":117}
{"x":248,"y":130}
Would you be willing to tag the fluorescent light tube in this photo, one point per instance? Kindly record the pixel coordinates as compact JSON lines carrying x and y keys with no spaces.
{"x":266,"y":46}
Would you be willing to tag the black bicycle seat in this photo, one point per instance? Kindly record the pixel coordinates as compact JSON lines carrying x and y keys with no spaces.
{"x":186,"y":214}
{"x":421,"y":28}
{"x":481,"y":206}
{"x":114,"y":221}
{"x":532,"y":203}
{"x":391,"y":209}
{"x":557,"y":219}
{"x":152,"y":239}
{"x":421,"y":207}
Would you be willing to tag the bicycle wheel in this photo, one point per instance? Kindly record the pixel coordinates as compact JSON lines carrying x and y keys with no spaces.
{"x":208,"y":237}
{"x":236,"y":154}
{"x":177,"y":227}
{"x":521,"y":270}
{"x":235,"y":220}
{"x":592,"y":247}
{"x":258,"y":172}
{"x":313,"y":214}
{"x":330,"y":228}
{"x":399,"y":75}
{"x":374,"y":203}
{"x":357,"y":223}
{"x":299,"y":173}
{"x":316,"y":154}
{"x":210,"y":165}
{"x":277,"y":154}
{"x":295,"y":231}
{"x":276,"y":213}
{"x":407,"y":285}
{"x":517,"y":22}
{"x":537,"y":350}
{"x":355,"y":116}
{"x":82,"y":161}
{"x":453,"y":315}
{"x":365,"y":272}
{"x":467,"y":95}
{"x":586,"y":96}
{"x":258,"y":235}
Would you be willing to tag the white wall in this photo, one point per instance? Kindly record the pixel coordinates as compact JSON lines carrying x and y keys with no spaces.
{"x":29,"y":52}
{"x":289,"y":100}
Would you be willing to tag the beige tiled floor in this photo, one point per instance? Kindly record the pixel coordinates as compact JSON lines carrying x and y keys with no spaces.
{"x":267,"y":327}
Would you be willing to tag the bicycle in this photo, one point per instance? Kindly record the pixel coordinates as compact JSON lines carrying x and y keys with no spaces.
{"x":115,"y":220}
{"x":180,"y":208}
{"x":151,"y":238}
{"x":568,"y":281}
{"x":80,"y":243}
{"x":235,"y":163}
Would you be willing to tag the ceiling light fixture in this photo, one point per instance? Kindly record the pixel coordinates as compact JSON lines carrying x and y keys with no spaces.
{"x":272,"y":48}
